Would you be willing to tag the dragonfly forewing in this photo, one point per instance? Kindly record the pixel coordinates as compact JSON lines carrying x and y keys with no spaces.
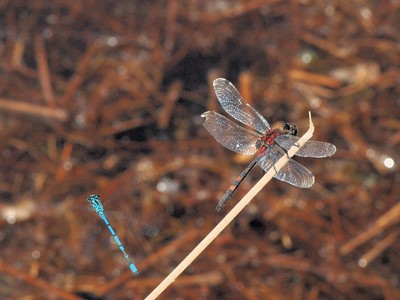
{"x":233,"y":103}
{"x":229,"y":134}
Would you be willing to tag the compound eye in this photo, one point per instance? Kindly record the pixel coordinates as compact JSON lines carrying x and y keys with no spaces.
{"x":291,"y":128}
{"x":294,"y":129}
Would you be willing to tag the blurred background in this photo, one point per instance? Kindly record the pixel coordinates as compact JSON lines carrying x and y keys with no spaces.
{"x":105,"y":97}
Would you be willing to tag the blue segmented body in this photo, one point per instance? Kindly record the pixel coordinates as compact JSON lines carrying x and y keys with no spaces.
{"x":98,"y":207}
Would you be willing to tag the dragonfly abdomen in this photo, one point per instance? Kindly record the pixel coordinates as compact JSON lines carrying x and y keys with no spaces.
{"x":232,"y":188}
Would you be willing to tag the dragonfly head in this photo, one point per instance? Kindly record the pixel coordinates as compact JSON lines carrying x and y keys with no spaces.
{"x":290,"y":128}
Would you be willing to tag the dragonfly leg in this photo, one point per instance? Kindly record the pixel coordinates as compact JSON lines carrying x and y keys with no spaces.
{"x":276,"y":172}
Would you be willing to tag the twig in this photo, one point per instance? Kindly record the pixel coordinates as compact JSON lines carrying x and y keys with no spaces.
{"x":44,"y":72}
{"x":389,"y":218}
{"x":149,"y":261}
{"x":79,"y":75}
{"x":377,"y":250}
{"x":33,"y":109}
{"x":231,"y":215}
{"x":37,"y":282}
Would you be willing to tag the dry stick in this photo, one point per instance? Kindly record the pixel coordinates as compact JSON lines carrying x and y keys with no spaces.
{"x":33,"y":109}
{"x":387,"y":219}
{"x":44,"y":285}
{"x":231,"y":215}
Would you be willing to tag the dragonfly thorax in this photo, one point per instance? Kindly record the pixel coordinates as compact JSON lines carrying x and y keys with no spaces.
{"x":267,"y":139}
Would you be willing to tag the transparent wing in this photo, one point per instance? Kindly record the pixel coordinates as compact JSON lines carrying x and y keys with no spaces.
{"x":310,"y":149}
{"x":229,"y":134}
{"x":235,"y":106}
{"x":296,"y":174}
{"x":293,"y":172}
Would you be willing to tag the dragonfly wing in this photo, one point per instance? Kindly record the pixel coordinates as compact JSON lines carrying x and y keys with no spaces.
{"x":293,"y":172}
{"x":296,"y":174}
{"x":310,"y":149}
{"x":233,"y":103}
{"x":229,"y":134}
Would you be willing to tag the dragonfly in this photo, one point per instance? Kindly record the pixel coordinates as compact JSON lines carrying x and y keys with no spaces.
{"x":98,"y":207}
{"x":268,"y":144}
